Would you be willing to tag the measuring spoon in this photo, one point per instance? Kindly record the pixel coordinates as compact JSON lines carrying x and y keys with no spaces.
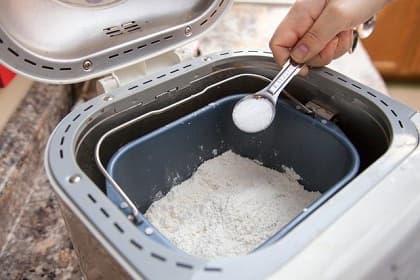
{"x":256,"y":112}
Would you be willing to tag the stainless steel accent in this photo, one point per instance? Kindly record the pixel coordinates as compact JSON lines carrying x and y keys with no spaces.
{"x":269,"y":95}
{"x":188,"y":31}
{"x":289,"y":70}
{"x":363,"y":31}
{"x":87,"y":65}
{"x":366,"y":29}
{"x":320,"y":110}
{"x":74,"y":179}
{"x":108,"y":98}
{"x":50,"y":40}
{"x":149,"y":231}
{"x":299,"y":105}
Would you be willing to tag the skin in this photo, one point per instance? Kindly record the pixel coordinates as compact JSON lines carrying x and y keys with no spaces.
{"x":315,"y":32}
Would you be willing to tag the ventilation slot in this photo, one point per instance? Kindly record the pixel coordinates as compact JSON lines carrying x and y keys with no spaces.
{"x":131,"y":26}
{"x":104,"y":212}
{"x":67,"y":128}
{"x":226,"y":53}
{"x":92,"y":198}
{"x":119,"y":227}
{"x":184,"y":265}
{"x":400,"y":123}
{"x":213,"y":269}
{"x":161,"y":76}
{"x":113,"y":31}
{"x":341,"y":79}
{"x":252,"y":51}
{"x":204,"y":22}
{"x":134,"y":29}
{"x":128,"y":51}
{"x":65,"y":69}
{"x":212,"y":14}
{"x":76,"y":117}
{"x":221,"y":3}
{"x":88,"y":108}
{"x":112,"y":56}
{"x":238,"y":51}
{"x":146,"y":82}
{"x":61,"y":154}
{"x":155,"y":42}
{"x":13,"y":52}
{"x":47,"y":67}
{"x":158,"y":257}
{"x":393,"y":112}
{"x":383,"y":102}
{"x":371,"y":94}
{"x":133,"y":87}
{"x":29,"y":61}
{"x":142,"y":46}
{"x":1,"y":41}
{"x":168,"y":37}
{"x":137,"y":245}
{"x":62,"y":141}
{"x":356,"y":86}
{"x":329,"y":73}
{"x":174,"y":71}
{"x":187,"y":66}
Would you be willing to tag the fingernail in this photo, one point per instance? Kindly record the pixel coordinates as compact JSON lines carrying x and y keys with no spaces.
{"x":299,"y":53}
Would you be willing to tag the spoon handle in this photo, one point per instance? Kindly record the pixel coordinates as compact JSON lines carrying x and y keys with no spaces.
{"x":289,"y":70}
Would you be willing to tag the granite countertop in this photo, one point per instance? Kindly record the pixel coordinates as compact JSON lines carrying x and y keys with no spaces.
{"x":34,"y":243}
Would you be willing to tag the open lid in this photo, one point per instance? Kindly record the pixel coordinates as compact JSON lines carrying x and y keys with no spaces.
{"x":66,"y":41}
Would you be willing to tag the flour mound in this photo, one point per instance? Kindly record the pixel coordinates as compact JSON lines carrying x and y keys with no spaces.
{"x":228,"y":207}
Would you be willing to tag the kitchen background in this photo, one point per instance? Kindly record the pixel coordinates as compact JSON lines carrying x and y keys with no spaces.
{"x":33,"y":239}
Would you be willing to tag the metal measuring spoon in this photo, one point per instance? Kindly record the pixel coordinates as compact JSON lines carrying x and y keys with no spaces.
{"x":256,"y":112}
{"x":363,"y":31}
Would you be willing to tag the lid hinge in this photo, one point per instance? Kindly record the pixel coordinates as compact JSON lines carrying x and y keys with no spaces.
{"x":134,"y":72}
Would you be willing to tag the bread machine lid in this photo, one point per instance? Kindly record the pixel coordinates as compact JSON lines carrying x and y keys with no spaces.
{"x":67,"y":41}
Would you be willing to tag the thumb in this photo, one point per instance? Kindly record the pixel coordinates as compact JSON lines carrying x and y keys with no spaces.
{"x":315,"y":40}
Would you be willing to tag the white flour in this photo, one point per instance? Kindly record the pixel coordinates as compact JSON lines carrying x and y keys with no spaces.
{"x":228,"y":207}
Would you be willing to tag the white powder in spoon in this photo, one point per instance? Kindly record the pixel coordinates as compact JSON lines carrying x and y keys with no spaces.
{"x":253,"y":115}
{"x":228,"y":207}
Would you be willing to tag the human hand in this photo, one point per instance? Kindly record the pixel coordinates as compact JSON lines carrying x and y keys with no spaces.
{"x":315,"y":32}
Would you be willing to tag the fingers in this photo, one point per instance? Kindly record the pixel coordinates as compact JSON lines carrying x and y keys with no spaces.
{"x":325,"y":56}
{"x":299,"y":19}
{"x":334,"y":49}
{"x":345,"y":42}
{"x":304,"y":71}
{"x":319,"y":36}
{"x":316,"y":31}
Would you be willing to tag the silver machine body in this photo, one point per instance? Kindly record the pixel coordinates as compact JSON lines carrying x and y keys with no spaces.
{"x":368,"y":230}
{"x":63,"y":41}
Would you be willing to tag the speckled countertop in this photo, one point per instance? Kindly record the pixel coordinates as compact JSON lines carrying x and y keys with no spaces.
{"x":34,"y":243}
{"x":33,"y":240}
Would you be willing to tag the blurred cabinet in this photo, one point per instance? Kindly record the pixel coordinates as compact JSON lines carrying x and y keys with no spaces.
{"x":395,"y":45}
